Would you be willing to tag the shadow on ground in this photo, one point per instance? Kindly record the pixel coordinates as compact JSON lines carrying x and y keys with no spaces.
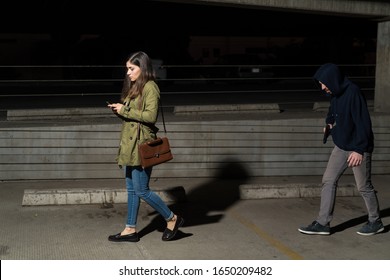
{"x":360,"y":220}
{"x":206,"y":203}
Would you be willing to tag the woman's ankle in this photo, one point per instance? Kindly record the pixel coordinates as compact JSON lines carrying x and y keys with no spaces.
{"x":128,"y":230}
{"x":171,"y":223}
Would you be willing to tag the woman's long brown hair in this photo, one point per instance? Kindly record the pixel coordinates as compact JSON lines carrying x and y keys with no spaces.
{"x":134,"y":89}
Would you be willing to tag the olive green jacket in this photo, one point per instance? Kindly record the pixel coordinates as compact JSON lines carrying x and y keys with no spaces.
{"x":134,"y":115}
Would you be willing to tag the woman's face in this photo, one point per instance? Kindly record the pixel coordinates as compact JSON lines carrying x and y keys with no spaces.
{"x":133,"y":71}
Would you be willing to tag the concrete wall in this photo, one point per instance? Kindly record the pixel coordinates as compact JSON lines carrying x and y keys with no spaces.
{"x":382,"y":77}
{"x":229,"y":148}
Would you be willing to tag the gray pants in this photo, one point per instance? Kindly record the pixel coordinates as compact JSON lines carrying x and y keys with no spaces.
{"x":337,"y":165}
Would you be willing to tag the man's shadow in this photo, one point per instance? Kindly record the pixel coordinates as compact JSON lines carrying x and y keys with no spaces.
{"x":206,"y":203}
{"x":360,"y":220}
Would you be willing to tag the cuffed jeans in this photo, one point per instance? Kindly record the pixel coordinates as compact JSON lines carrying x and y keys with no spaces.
{"x":337,"y":165}
{"x":137,"y":185}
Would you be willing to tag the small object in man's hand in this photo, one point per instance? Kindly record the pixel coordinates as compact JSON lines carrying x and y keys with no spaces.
{"x":326,"y":133}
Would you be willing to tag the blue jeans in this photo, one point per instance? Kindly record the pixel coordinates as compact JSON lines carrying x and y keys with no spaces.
{"x":337,"y":164}
{"x":137,"y":185}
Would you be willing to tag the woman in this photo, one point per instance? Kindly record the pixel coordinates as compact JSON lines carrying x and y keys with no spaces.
{"x":139,"y":111}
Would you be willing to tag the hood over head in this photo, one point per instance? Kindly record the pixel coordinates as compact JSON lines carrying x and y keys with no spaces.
{"x":330,"y":75}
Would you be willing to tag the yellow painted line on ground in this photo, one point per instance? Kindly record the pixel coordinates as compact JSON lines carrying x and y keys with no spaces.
{"x":264,"y":235}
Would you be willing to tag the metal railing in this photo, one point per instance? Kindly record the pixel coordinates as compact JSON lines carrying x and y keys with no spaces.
{"x":43,"y":86}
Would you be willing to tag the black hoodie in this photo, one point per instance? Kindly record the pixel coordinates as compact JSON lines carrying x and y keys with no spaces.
{"x":348,"y":112}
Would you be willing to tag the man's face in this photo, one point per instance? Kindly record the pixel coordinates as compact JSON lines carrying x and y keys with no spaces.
{"x":325,"y":88}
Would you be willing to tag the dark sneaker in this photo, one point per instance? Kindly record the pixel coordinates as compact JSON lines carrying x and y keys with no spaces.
{"x":315,"y":228}
{"x":371,"y":228}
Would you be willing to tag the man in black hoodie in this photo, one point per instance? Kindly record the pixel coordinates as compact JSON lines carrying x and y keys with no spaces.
{"x":350,"y":126}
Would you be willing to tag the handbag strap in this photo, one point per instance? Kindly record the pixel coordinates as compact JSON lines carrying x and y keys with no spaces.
{"x":162,"y":115}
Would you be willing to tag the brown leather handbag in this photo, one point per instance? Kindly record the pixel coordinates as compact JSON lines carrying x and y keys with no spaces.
{"x":155,"y":152}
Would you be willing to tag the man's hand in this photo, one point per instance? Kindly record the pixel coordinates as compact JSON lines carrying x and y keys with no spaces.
{"x":328,"y":126}
{"x":354,"y":159}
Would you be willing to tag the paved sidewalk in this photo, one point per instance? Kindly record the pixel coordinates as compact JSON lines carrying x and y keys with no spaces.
{"x":219,"y":225}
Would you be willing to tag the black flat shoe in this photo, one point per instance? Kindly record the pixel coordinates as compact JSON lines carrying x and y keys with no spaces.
{"x":133,"y":237}
{"x":169,"y":234}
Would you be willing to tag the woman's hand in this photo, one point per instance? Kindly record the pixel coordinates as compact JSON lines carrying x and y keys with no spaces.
{"x":115,"y":107}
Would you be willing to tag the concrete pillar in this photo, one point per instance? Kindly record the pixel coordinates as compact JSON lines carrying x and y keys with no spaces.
{"x":382,"y":76}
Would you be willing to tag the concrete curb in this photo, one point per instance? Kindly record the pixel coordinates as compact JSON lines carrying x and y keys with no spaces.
{"x":226,"y":109}
{"x":58,"y":113}
{"x":292,"y":190}
{"x":108,"y":196}
{"x":324,"y":106}
{"x":105,"y":196}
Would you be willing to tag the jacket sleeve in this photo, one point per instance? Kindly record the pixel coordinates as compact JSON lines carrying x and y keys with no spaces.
{"x":149,"y":108}
{"x":362,"y":122}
